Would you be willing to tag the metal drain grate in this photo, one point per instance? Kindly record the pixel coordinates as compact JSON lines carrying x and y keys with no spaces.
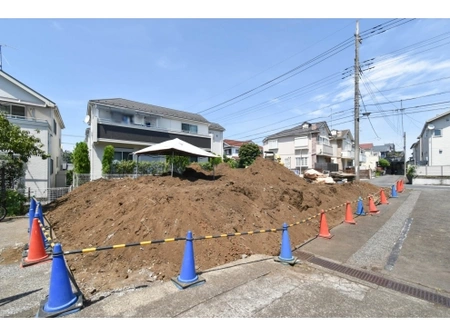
{"x":376,"y":279}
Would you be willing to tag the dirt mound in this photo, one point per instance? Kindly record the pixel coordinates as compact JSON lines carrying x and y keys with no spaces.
{"x":122,"y":211}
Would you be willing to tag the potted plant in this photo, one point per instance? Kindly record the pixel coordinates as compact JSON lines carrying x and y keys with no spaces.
{"x":410,"y":173}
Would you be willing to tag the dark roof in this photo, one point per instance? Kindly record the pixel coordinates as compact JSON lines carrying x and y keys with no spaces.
{"x":153,"y":109}
{"x":299,"y":130}
{"x":216,"y":127}
{"x":383,"y":148}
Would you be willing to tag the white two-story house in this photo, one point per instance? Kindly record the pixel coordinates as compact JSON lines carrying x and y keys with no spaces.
{"x":343,"y":151}
{"x":129,"y":126}
{"x":40,"y":116}
{"x":433,"y":145}
{"x":302,"y":147}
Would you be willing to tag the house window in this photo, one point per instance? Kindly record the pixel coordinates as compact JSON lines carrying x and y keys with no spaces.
{"x":51,"y":166}
{"x":301,"y":161}
{"x":18,"y":111}
{"x":301,"y":142}
{"x":273,"y":144}
{"x":189,"y":128}
{"x":54,"y":126}
{"x":437,"y":132}
{"x":228,"y":151}
{"x":323,"y":140}
{"x":123,"y":155}
{"x":5,"y":109}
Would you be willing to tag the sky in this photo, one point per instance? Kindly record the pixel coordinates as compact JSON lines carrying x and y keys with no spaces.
{"x":253,"y":68}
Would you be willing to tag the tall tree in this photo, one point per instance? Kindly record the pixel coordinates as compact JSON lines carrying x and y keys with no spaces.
{"x":107,"y":160}
{"x":81,"y":163}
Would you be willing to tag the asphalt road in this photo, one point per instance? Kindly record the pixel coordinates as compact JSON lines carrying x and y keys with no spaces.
{"x":390,"y":265}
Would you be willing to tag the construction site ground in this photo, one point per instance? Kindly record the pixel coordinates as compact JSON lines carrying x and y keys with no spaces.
{"x":242,"y":279}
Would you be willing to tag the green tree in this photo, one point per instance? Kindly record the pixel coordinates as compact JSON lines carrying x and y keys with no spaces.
{"x":81,"y":164}
{"x":67,"y":156}
{"x":179,"y":163}
{"x":108,"y":157}
{"x":248,"y":153}
{"x":20,"y":142}
{"x":383,"y":163}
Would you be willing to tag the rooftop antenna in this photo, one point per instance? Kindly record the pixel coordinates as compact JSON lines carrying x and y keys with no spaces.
{"x":1,"y":57}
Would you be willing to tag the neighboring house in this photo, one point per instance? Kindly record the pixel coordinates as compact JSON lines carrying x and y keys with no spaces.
{"x":384,"y":149}
{"x":343,"y":148}
{"x":40,"y":116}
{"x":433,"y":145}
{"x":304,"y":146}
{"x":415,"y":158}
{"x":129,"y":126}
{"x":396,"y":159}
{"x":231,"y":148}
{"x":372,"y":156}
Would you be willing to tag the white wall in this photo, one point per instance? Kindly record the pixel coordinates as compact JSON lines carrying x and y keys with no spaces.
{"x":37,"y":170}
{"x":440,"y":145}
{"x":217,"y":142}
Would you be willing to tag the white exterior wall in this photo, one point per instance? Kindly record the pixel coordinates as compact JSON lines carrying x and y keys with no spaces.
{"x":217,"y":142}
{"x":95,"y":157}
{"x":440,"y":145}
{"x":37,"y":170}
{"x":286,"y":150}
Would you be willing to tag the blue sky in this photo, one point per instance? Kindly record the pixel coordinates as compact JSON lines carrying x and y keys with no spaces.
{"x":255,"y":73}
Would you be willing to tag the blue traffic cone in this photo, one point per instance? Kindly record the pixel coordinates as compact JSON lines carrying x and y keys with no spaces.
{"x":188,"y":277}
{"x":285,"y":256}
{"x":360,"y":209}
{"x":394,"y":191}
{"x":61,"y":300}
{"x":31,"y":213}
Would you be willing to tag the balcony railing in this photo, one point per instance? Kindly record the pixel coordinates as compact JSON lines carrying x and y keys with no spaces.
{"x":348,"y":154}
{"x":145,"y":126}
{"x":322,"y":149}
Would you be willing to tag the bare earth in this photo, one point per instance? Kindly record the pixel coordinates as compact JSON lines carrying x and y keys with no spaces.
{"x":122,"y":211}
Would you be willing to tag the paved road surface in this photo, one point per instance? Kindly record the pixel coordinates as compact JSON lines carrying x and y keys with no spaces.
{"x":394,"y":264}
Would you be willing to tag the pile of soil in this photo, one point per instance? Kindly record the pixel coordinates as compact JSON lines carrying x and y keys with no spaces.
{"x":123,"y":211}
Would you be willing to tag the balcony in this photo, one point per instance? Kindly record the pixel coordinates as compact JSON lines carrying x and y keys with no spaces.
{"x":347,"y":154}
{"x":324,"y":150}
{"x":27,"y":122}
{"x":123,"y":132}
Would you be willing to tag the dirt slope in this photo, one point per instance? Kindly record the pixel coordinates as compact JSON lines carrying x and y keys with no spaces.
{"x":121,"y":211}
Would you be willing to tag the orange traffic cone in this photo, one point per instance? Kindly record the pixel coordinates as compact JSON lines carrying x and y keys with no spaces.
{"x":349,"y":215}
{"x":36,"y":250}
{"x":372,"y":208}
{"x":323,"y":231}
{"x":399,"y":186}
{"x":383,"y":199}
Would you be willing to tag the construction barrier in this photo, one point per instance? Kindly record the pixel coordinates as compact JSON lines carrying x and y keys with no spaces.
{"x":62,"y":300}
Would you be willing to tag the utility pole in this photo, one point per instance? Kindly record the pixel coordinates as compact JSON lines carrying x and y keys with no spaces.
{"x":404,"y":141}
{"x":357,"y":150}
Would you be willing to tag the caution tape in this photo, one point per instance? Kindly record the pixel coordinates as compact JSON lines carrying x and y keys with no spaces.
{"x":102,"y":248}
{"x":223,"y":235}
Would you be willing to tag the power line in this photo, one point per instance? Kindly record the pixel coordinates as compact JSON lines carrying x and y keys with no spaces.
{"x":270,"y":67}
{"x":340,"y":47}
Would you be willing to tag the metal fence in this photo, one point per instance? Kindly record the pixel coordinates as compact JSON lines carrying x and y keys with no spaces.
{"x":433,"y":170}
{"x":45,"y":195}
{"x":80,"y":179}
